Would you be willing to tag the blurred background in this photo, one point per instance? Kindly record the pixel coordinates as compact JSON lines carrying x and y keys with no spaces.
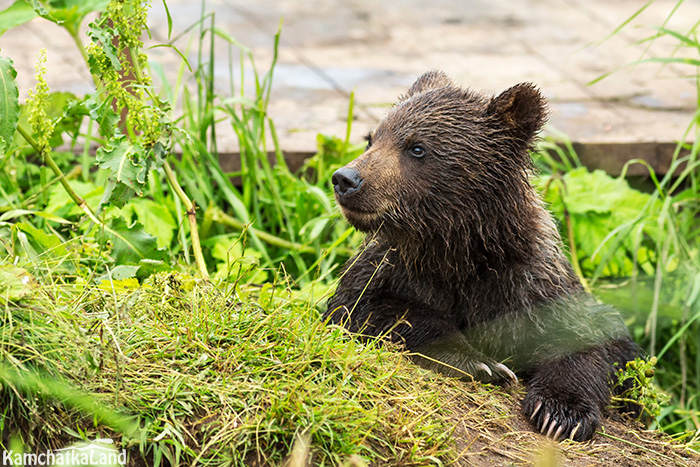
{"x":328,"y":49}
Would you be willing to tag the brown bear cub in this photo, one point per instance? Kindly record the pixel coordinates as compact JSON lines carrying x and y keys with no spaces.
{"x":463,"y":264}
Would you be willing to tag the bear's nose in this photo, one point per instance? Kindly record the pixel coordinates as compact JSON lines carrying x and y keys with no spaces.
{"x":346,"y":181}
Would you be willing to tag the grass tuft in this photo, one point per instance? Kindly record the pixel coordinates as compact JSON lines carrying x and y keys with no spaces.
{"x":214,"y":376}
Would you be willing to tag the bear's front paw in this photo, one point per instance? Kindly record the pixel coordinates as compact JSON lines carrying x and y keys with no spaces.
{"x":454,"y":356}
{"x":557,"y":419}
{"x":493,"y":372}
{"x":465,"y":364}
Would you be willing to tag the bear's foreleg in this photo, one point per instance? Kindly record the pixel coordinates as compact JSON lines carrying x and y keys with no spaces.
{"x":567,"y":352}
{"x":454,"y":356}
{"x":433,"y":338}
{"x":566,"y":397}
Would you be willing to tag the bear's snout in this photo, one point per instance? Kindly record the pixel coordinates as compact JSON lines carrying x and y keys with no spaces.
{"x":346,"y":181}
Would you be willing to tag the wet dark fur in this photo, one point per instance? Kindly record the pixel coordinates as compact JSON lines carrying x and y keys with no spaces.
{"x":462,"y":262}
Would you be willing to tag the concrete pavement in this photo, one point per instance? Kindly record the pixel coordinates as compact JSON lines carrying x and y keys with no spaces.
{"x":329,"y":48}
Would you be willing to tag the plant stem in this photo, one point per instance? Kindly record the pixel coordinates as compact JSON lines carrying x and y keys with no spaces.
{"x":74,"y":34}
{"x":572,"y":249}
{"x":223,"y":218}
{"x":46,"y":155}
{"x":31,"y":198}
{"x":191,"y":217}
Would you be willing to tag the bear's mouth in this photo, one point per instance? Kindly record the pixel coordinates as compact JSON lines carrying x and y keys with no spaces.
{"x":362,"y":219}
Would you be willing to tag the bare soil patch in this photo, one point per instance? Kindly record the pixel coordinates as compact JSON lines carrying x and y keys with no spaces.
{"x":490,"y":431}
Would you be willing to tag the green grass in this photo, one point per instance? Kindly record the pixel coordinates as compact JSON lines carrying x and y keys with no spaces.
{"x":288,"y":218}
{"x":213,"y":376}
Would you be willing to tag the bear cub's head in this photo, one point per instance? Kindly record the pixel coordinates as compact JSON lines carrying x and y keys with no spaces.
{"x":444,"y":158}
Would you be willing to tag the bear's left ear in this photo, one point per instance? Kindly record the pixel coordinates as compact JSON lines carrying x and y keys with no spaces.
{"x":433,"y":79}
{"x":522,"y":109}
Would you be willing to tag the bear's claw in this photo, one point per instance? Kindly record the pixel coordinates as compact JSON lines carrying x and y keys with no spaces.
{"x":557,"y":434}
{"x":557,"y":420}
{"x":573,"y":432}
{"x":509,"y":373}
{"x":537,"y":409}
{"x":497,"y":373}
{"x":485,"y":368}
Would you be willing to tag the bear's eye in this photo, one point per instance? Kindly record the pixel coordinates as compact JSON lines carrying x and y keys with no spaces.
{"x":417,"y":150}
{"x":368,"y":138}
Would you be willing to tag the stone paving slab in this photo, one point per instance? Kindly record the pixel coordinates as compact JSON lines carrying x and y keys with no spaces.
{"x":330,"y":48}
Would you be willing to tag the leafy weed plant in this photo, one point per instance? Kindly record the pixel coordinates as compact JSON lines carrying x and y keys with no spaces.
{"x":638,"y":376}
{"x":273,"y":216}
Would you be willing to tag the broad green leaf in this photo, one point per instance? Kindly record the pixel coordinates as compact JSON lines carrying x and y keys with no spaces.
{"x":43,"y":246}
{"x":60,"y":204}
{"x":132,"y":244}
{"x":102,"y":112}
{"x":597,"y":205}
{"x":596,"y":191}
{"x":15,"y":15}
{"x":589,"y":192}
{"x":590,"y":231}
{"x":9,"y":103}
{"x":41,"y":11}
{"x":630,"y":204}
{"x":120,"y":273}
{"x":156,"y":219}
{"x":103,"y":35}
{"x":68,"y":13}
{"x":73,"y":11}
{"x":117,"y":194}
{"x":124,"y":159}
{"x":157,"y":154}
{"x":46,"y":242}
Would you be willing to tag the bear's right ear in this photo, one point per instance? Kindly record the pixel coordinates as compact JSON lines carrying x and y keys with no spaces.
{"x":430,"y":80}
{"x":522,"y":109}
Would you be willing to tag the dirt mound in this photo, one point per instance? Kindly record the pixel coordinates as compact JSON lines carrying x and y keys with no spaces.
{"x":490,"y":431}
